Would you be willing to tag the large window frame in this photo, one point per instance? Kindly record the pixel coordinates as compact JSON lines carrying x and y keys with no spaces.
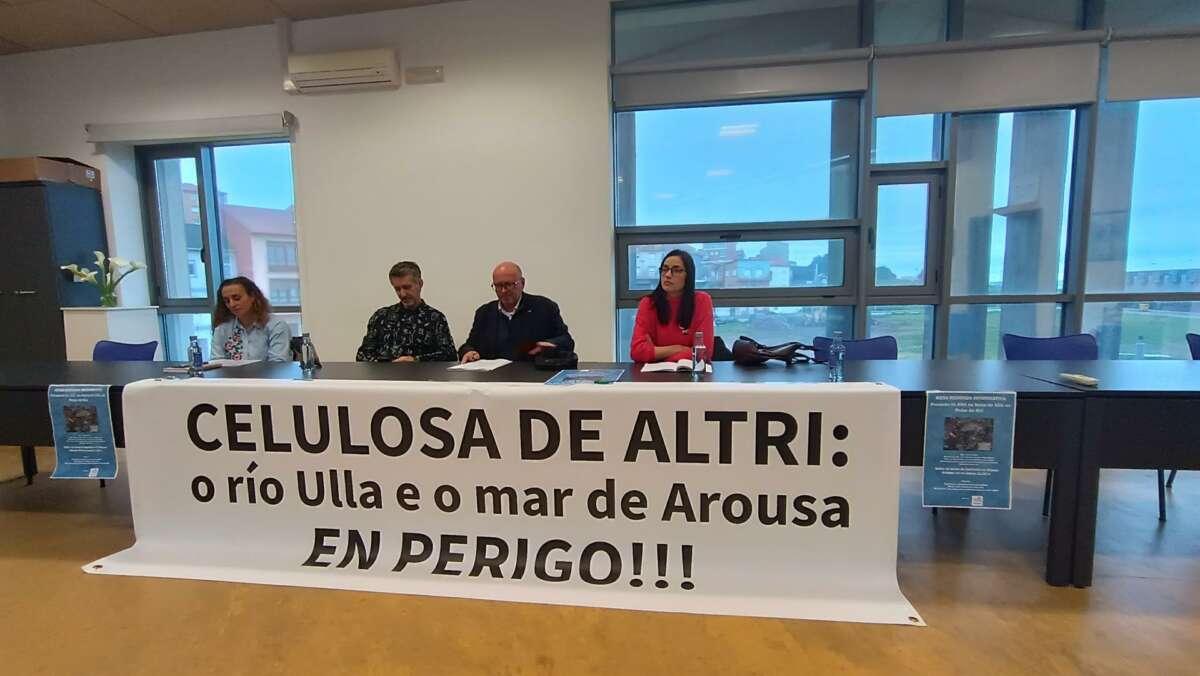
{"x":212,"y":249}
{"x":859,"y":290}
{"x":847,"y":229}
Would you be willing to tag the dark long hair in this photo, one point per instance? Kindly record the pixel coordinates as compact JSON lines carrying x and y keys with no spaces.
{"x":261,"y":306}
{"x":687,"y":304}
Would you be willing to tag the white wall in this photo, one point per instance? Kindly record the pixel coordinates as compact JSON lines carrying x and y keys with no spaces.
{"x":509,"y":158}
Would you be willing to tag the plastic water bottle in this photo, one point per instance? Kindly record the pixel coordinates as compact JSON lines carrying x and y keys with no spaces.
{"x":699,"y":353}
{"x":837,"y":358}
{"x":195,"y":357}
{"x":308,"y":357}
{"x":1139,"y":348}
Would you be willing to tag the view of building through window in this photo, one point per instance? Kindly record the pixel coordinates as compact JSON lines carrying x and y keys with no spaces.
{"x":256,"y":224}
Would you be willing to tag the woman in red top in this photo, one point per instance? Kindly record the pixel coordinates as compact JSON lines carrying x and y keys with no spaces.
{"x":669,"y":317}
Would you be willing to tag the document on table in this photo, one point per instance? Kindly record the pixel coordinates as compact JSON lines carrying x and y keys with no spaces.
{"x":481,"y":365}
{"x":683,"y":365}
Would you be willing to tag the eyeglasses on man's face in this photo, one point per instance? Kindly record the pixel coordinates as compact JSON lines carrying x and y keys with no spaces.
{"x":674,"y":270}
{"x":505,"y":286}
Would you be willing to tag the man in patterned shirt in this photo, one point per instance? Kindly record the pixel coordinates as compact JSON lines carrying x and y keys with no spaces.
{"x":409,"y":330}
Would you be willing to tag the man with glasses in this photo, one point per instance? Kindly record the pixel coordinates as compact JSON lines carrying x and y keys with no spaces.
{"x":409,"y":330}
{"x":517,"y":325}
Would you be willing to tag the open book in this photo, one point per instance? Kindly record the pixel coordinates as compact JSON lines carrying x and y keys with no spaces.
{"x":664,"y":366}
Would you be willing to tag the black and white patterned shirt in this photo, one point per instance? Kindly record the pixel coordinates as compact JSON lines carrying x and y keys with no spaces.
{"x":396,"y":332}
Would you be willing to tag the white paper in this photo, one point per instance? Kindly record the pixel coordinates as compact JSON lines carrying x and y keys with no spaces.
{"x":226,"y":363}
{"x":481,"y":365}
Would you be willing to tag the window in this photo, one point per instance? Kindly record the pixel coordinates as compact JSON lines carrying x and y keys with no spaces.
{"x":907,"y":138}
{"x":975,"y":329}
{"x":215,"y":212}
{"x":1142,"y":330}
{"x":675,"y":32}
{"x":747,"y":265}
{"x":910,"y":325}
{"x":1143,"y":235}
{"x":901,"y":226}
{"x":281,"y":256}
{"x":178,"y":234}
{"x":764,"y":198}
{"x":752,"y":163}
{"x":1120,"y":14}
{"x":1007,"y":18}
{"x":905,"y":22}
{"x":283,"y":291}
{"x":1010,"y":204}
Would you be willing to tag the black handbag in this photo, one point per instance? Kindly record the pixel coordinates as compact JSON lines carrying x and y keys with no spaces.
{"x":555,"y":360}
{"x":749,"y":352}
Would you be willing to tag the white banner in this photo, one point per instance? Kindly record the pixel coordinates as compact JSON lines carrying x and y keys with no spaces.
{"x":766,"y":500}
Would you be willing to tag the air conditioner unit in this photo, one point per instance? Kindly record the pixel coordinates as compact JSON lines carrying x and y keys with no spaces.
{"x":342,"y":71}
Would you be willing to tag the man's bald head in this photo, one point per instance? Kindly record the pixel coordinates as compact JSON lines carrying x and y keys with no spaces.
{"x":507,"y":268}
{"x":509,"y":283}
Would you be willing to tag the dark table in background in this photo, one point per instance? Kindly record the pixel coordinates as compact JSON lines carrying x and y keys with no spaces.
{"x":1143,"y":415}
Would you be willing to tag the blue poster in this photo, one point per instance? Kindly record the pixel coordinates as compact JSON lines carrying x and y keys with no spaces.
{"x":581,"y":376}
{"x":83,"y":435}
{"x":969,"y":449}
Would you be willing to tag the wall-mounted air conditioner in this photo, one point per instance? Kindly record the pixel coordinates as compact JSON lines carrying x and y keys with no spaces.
{"x":342,"y":71}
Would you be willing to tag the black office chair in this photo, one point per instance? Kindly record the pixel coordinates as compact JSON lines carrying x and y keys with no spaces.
{"x":1193,"y":341}
{"x":1081,"y":346}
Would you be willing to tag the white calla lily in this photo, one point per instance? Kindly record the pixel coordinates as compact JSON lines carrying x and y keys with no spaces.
{"x":109,"y":274}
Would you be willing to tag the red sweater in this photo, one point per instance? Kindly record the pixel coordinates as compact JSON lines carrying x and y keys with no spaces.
{"x":648,"y":333}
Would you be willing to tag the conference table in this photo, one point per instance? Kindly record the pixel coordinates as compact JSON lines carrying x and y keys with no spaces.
{"x":1142,"y":415}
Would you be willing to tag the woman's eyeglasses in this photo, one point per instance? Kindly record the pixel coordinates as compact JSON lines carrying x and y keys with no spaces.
{"x":674,"y":271}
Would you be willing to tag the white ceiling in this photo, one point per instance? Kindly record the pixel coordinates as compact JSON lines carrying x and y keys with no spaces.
{"x":27,"y":25}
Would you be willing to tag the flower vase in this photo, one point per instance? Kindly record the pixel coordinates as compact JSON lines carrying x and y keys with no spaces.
{"x":108,"y":299}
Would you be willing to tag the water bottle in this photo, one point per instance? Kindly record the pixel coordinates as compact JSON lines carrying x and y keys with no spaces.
{"x":698,"y":352}
{"x":195,"y":357}
{"x":837,"y":358}
{"x":1139,"y":348}
{"x":308,"y":357}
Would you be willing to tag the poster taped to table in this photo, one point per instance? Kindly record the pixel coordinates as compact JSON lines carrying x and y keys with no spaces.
{"x":968,"y":449}
{"x":763,"y":500}
{"x":83,"y":436}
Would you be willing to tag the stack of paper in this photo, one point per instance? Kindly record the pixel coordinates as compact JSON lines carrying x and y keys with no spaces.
{"x":481,"y":365}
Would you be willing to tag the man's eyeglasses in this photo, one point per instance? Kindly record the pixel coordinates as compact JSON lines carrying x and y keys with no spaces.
{"x":675,"y":271}
{"x":504,"y":286}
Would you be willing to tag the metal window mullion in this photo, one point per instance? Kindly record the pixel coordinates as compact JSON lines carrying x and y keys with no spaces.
{"x":1169,"y":297}
{"x":1011,"y":299}
{"x":693,"y":229}
{"x":865,"y":202}
{"x":209,"y":206}
{"x":941,"y":315}
{"x":1079,"y":226}
{"x":914,"y":299}
{"x":900,"y":168}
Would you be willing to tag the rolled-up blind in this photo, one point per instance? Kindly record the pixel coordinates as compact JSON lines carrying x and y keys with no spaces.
{"x":1154,"y":69}
{"x":658,"y":88}
{"x":988,"y":79}
{"x":273,"y":125}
